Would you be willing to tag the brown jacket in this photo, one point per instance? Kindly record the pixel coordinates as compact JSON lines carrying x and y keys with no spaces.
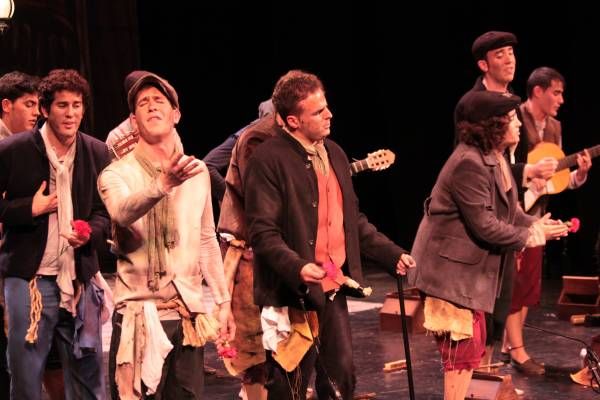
{"x":471,"y":228}
{"x":232,"y":217}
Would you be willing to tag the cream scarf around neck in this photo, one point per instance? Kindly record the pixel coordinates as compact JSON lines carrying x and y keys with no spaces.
{"x":63,"y":171}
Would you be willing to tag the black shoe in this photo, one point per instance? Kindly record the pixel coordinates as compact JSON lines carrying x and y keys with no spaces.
{"x":504,"y":357}
{"x":529,"y":367}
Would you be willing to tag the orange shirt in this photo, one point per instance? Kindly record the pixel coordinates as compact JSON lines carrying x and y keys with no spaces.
{"x":331,"y":242}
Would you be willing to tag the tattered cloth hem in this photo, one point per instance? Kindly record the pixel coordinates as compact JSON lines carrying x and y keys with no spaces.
{"x":442,"y":317}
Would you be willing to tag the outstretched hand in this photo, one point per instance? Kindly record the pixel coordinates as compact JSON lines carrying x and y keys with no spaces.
{"x":178,"y":169}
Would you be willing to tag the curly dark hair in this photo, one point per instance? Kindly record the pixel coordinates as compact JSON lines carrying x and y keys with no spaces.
{"x":486,"y":135}
{"x":62,"y":79}
{"x":291,"y":89}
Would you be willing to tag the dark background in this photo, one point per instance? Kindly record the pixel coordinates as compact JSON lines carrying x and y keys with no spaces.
{"x":388,"y":85}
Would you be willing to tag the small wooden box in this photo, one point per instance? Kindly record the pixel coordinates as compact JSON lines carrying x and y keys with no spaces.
{"x":579,"y":295}
{"x":389,"y":315}
{"x":491,"y":387}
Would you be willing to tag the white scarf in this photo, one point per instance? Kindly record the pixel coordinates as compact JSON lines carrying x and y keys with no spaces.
{"x":63,"y":171}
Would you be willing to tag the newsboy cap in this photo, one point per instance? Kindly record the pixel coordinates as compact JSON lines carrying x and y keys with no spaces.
{"x":136,"y":80}
{"x":483,"y":104}
{"x":490,"y":41}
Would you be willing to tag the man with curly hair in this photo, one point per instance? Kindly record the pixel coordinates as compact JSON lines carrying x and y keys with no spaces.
{"x":51,"y":271}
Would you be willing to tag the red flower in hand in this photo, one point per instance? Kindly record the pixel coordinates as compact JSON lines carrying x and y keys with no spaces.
{"x":574,"y":224}
{"x":331,"y":270}
{"x":81,"y":227}
{"x":227,"y":351}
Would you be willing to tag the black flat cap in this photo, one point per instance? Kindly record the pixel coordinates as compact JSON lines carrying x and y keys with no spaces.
{"x":484,"y":104}
{"x":490,"y":41}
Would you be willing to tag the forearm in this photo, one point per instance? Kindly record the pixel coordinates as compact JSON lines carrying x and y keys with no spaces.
{"x":123,"y":206}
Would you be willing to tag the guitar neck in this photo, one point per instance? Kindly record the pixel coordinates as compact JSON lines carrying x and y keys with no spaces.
{"x":359,"y":166}
{"x":571,"y":160}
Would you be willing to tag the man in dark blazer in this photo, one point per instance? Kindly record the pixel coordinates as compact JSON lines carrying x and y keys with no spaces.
{"x":303,"y":220}
{"x":49,"y":176}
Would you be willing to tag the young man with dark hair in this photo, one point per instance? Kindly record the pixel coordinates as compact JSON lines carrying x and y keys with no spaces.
{"x":51,"y":270}
{"x":165,"y":241}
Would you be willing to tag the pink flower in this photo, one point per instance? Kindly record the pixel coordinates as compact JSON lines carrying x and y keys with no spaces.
{"x":574,"y":224}
{"x":81,"y":227}
{"x":331,"y":270}
{"x":228,"y":352}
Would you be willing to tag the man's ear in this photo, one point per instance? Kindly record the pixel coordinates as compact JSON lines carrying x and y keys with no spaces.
{"x":6,"y":103}
{"x":483,"y":66}
{"x":44,"y":111}
{"x":177,"y":116}
{"x":292,"y":121}
{"x":537,"y":91}
{"x":133,"y":122}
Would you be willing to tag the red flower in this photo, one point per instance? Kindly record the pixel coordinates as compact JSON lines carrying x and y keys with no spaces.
{"x":574,"y":224}
{"x":228,"y":352}
{"x":81,"y":227}
{"x":331,"y":270}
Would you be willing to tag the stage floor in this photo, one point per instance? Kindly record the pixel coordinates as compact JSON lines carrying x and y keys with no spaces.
{"x":374,"y":347}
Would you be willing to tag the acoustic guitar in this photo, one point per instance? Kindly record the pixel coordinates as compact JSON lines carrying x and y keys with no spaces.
{"x":560,"y":179}
{"x":376,"y":161}
{"x":124,"y":145}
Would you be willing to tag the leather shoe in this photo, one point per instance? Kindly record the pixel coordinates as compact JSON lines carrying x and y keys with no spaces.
{"x":529,"y":367}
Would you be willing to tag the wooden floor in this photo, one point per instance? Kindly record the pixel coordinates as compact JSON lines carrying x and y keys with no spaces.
{"x":374,"y":347}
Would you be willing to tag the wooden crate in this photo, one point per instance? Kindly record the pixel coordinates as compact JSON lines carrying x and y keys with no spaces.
{"x":389,"y":315}
{"x":579,"y":295}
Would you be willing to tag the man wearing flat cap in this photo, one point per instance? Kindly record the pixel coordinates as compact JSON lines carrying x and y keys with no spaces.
{"x":467,"y":239}
{"x":494,"y":54}
{"x":123,"y":138}
{"x":165,"y":241}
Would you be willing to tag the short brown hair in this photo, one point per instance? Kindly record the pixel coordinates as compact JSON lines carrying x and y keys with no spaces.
{"x":291,"y":89}
{"x":62,"y":79}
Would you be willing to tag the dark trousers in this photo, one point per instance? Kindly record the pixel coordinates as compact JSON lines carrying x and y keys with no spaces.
{"x":334,"y":360}
{"x":183,"y":370}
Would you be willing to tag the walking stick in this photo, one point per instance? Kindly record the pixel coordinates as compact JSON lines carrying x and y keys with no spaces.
{"x":411,"y":389}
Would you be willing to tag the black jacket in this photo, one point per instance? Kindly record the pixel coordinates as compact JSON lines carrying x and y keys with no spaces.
{"x":23,"y":167}
{"x":281,"y":201}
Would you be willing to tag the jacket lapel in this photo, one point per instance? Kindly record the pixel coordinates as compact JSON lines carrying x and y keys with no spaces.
{"x":491,"y":161}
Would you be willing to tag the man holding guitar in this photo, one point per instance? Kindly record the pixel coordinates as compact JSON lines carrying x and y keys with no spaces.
{"x":545,"y":88}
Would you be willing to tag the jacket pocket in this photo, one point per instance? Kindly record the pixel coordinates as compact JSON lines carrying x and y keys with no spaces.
{"x":461,"y":250}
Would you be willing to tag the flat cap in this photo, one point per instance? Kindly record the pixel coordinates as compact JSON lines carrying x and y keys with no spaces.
{"x":490,"y":41}
{"x":136,"y":80}
{"x":483,"y":104}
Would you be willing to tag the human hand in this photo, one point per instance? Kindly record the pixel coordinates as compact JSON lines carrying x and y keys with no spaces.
{"x":43,"y":204}
{"x":80,"y":234}
{"x":553,"y":229}
{"x":406,"y":261}
{"x":584,"y":163}
{"x":226,"y":323}
{"x":544,"y":168}
{"x":178,"y":169}
{"x":312,"y":273}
